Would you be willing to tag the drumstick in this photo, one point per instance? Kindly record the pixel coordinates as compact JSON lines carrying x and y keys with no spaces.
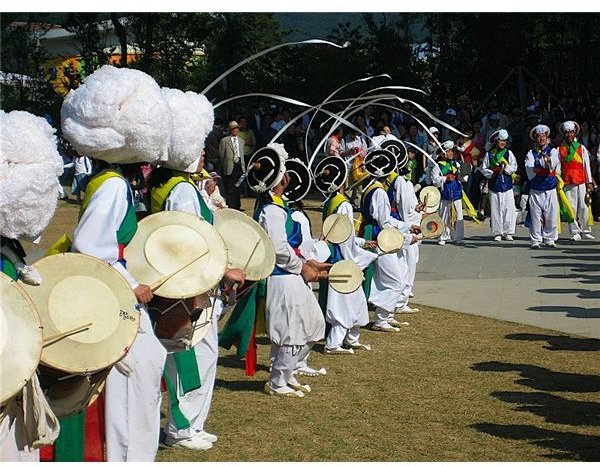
{"x":49,"y":340}
{"x":339,"y":275}
{"x":332,"y":227}
{"x":158,"y":283}
{"x":251,"y":254}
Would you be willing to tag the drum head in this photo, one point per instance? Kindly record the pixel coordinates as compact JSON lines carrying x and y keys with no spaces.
{"x":74,"y":394}
{"x":167,"y":241}
{"x":266,"y":168}
{"x":300,"y":180}
{"x":337,"y":228}
{"x":330,"y":174}
{"x":430,"y":196}
{"x":432,"y":226}
{"x":241,"y":234}
{"x":77,"y":290}
{"x":390,"y":240}
{"x":20,"y":338}
{"x":345,"y":276}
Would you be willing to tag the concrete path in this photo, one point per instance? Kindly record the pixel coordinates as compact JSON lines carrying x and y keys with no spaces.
{"x":557,"y":289}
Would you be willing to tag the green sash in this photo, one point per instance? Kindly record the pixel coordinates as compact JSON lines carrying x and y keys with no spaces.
{"x":498,"y":157}
{"x":572,"y":151}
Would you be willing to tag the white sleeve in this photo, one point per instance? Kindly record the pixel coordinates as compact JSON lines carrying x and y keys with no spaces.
{"x":351,"y":248}
{"x":272,"y":219}
{"x":409,"y":202}
{"x":512,"y":164}
{"x":380,"y":210}
{"x":436,"y":176}
{"x":96,"y":231}
{"x":586,"y":165}
{"x":529,"y":165}
{"x":183,"y":198}
{"x":485,"y":167}
{"x":555,"y":160}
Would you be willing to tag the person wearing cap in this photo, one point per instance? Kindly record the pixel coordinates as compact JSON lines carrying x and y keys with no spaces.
{"x":231,"y":151}
{"x":541,"y":164}
{"x":577,"y":175}
{"x":390,"y":273}
{"x":446,"y":177}
{"x":293,"y":317}
{"x":210,"y":191}
{"x":346,"y":313}
{"x":498,"y":166}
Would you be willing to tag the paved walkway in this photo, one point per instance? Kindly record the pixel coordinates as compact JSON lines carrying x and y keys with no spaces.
{"x":557,"y":289}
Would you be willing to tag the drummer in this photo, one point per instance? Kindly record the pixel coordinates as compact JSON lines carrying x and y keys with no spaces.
{"x":38,"y":206}
{"x":346,"y":313}
{"x":390,"y":275}
{"x":107,"y":222}
{"x":293,"y":317}
{"x":173,"y":189}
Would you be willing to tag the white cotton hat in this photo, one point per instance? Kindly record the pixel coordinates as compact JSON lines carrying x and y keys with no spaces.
{"x":118,"y":115}
{"x":539,"y":129}
{"x":501,"y":135}
{"x":448,"y":145}
{"x":434,"y":130}
{"x":29,"y":169}
{"x":569,"y":126}
{"x":192,"y":120}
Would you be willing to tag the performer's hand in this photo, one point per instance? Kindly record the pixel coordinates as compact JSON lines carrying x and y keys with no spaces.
{"x":143,"y":293}
{"x":370,"y":244}
{"x":309,"y":273}
{"x":450,"y":177}
{"x":589,"y":187}
{"x":415,"y":229}
{"x":415,"y":239}
{"x":420,"y":207}
{"x":236,"y":275}
{"x":319,"y":266}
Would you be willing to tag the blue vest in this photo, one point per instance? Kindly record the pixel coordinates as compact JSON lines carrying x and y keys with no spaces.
{"x":542,"y":182}
{"x":366,"y":216}
{"x":500,"y":183}
{"x":452,"y":190}
{"x":391,"y":192}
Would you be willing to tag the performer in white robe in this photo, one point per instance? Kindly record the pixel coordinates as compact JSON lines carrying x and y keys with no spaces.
{"x":541,"y":164}
{"x":132,"y":390}
{"x":498,"y":166}
{"x":195,"y":405}
{"x":409,"y":211}
{"x":347,"y":313}
{"x":391,"y":270}
{"x":575,"y":170}
{"x":293,"y":316}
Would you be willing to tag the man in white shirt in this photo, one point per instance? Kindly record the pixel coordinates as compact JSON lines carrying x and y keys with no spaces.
{"x":83,"y":169}
{"x":231,"y":151}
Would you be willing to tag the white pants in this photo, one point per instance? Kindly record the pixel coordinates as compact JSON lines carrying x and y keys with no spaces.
{"x":503,"y":213}
{"x":576,"y":195}
{"x":303,"y":356}
{"x":8,"y":442}
{"x":458,"y":233}
{"x":284,"y":361}
{"x":133,"y":403}
{"x":412,"y":259}
{"x":195,"y":405}
{"x":543,"y":204}
{"x":339,"y":333}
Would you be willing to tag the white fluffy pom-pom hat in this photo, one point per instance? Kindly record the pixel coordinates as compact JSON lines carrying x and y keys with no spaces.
{"x":29,"y":169}
{"x":118,"y":115}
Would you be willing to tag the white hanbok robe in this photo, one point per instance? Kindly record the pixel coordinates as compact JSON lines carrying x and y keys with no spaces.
{"x":293,"y":315}
{"x":391,"y":270}
{"x":543,"y":204}
{"x":195,"y":405}
{"x":350,"y":310}
{"x":503,"y":212}
{"x":406,"y":204}
{"x":132,"y":405}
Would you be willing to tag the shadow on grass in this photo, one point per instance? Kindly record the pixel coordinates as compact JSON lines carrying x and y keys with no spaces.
{"x":559,"y":342}
{"x":248,"y":385}
{"x":554,"y":408}
{"x":236,"y":362}
{"x":540,"y":378}
{"x":571,"y":446}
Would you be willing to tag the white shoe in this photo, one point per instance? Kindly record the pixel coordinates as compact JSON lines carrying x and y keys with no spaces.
{"x":339,"y":350}
{"x":212,"y":438}
{"x":310,"y":372}
{"x":194,"y":443}
{"x":407,"y":310}
{"x":509,"y":238}
{"x":411,"y":295}
{"x":298,"y":386}
{"x":359,"y":346}
{"x":576,"y":237}
{"x":535,"y":245}
{"x":385,"y":327}
{"x":588,"y":236}
{"x":283,"y":391}
{"x":551,"y":244}
{"x":441,"y":242}
{"x":394,"y":323}
{"x":497,"y":238}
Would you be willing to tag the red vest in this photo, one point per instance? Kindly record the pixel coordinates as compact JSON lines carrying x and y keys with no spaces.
{"x":573,"y":171}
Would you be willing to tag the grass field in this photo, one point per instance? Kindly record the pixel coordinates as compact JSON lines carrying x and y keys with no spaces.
{"x":451,"y":387}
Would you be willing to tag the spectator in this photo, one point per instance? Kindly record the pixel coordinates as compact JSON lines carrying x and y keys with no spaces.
{"x":83,"y":169}
{"x":213,"y":140}
{"x":210,"y":192}
{"x":266,"y":132}
{"x":231,"y":152}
